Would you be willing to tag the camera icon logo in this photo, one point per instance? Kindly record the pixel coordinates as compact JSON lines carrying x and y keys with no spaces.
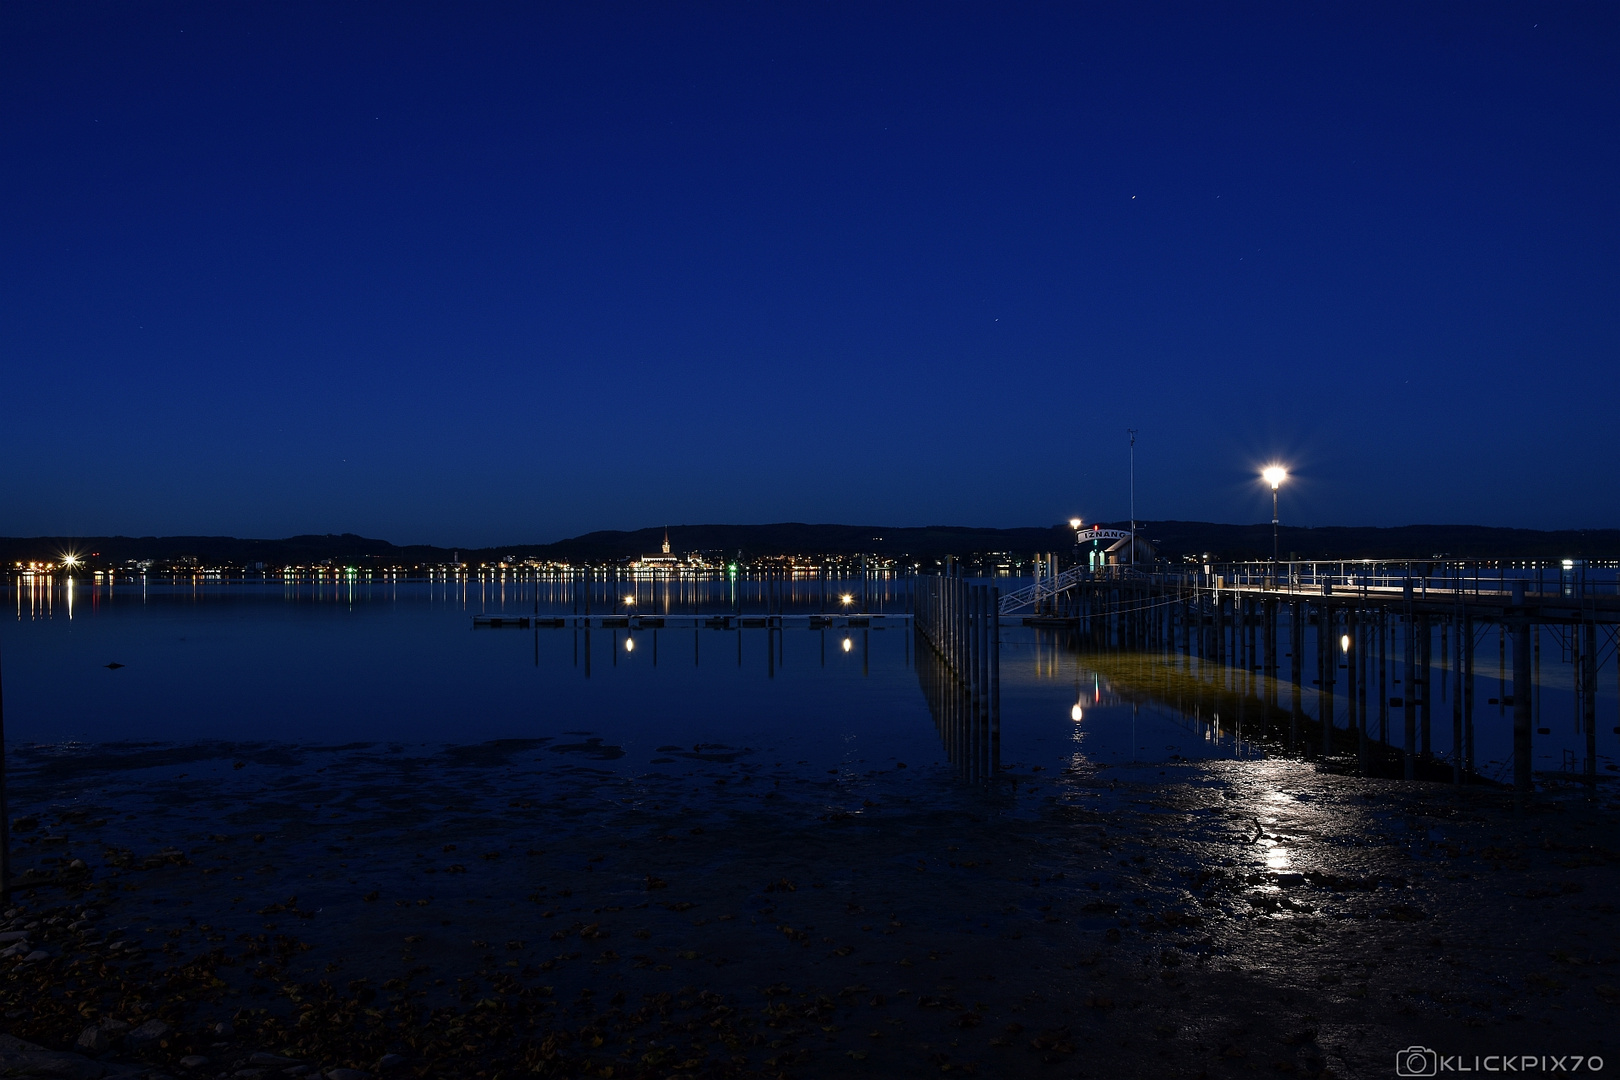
{"x":1417,"y":1061}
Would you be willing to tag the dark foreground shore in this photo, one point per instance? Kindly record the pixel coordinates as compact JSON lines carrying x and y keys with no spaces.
{"x":528,"y":907}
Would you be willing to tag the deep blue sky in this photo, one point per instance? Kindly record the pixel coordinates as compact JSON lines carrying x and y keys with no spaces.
{"x":485,"y":274}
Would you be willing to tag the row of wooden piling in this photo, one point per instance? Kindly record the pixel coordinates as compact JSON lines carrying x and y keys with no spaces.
{"x":960,"y":623}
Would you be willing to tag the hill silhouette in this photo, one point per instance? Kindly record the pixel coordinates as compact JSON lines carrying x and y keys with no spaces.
{"x":1174,"y":539}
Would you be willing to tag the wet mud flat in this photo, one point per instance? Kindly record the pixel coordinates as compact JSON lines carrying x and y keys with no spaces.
{"x":551,"y":907}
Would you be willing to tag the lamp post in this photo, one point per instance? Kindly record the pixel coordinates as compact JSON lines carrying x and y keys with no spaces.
{"x":1132,"y":432}
{"x":1274,"y":475}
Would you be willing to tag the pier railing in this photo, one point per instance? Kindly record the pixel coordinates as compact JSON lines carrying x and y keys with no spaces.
{"x":1498,"y":580}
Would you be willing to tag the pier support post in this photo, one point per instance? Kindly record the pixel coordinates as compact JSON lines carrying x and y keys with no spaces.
{"x":1408,"y":702}
{"x":1425,"y":701}
{"x":1589,"y":663}
{"x":995,"y":682}
{"x":1382,"y":628}
{"x":1468,"y":694}
{"x":1358,"y":717}
{"x":1523,"y":762}
{"x":1296,"y":635}
{"x":1457,"y":698}
{"x":1325,"y":633}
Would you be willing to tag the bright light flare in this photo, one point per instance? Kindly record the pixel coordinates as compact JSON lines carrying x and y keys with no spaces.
{"x":1077,"y":714}
{"x":629,"y":601}
{"x":70,"y":560}
{"x":846,"y":599}
{"x":848,"y":644}
{"x":1344,"y":643}
{"x":1274,"y":475}
{"x":1075,"y":523}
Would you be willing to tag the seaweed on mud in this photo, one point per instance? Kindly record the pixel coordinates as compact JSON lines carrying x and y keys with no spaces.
{"x":58,"y":763}
{"x":591,"y":748}
{"x":489,"y":754}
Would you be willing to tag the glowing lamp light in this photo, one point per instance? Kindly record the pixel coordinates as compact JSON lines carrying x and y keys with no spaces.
{"x":629,"y":601}
{"x":848,"y":644}
{"x":846,"y":599}
{"x":629,"y":644}
{"x":70,"y":561}
{"x":1274,"y":475}
{"x":1077,"y":714}
{"x":1075,"y":523}
{"x":1344,"y":643}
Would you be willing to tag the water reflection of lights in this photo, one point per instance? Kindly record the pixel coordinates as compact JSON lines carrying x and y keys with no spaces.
{"x":848,"y":644}
{"x":1077,"y":714}
{"x":846,"y":600}
{"x":629,"y":644}
{"x":1344,"y":643}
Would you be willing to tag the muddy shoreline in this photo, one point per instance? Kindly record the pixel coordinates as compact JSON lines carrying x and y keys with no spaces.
{"x":529,"y":905}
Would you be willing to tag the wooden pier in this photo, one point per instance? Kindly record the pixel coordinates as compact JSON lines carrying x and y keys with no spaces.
{"x":1351,"y":617}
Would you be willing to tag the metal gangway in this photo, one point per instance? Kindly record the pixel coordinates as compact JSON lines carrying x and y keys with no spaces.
{"x":1049,"y":584}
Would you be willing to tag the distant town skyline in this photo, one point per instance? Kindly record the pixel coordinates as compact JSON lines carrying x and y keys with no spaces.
{"x":454,"y":275}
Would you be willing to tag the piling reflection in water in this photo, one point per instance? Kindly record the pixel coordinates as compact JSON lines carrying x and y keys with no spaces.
{"x":958,"y":641}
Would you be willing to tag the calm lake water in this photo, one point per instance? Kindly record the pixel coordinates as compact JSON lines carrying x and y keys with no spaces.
{"x":403,"y":662}
{"x":400,"y":661}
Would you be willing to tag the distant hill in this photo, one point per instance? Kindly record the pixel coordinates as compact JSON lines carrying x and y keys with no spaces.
{"x":1175,"y":539}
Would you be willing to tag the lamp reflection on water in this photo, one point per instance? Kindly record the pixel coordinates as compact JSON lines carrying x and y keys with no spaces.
{"x":848,"y":644}
{"x":629,"y":644}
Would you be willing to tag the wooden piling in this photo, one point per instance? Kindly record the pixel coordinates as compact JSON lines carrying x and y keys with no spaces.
{"x":1325,"y":634}
{"x":995,"y":682}
{"x":1468,"y":694}
{"x":1408,"y":703}
{"x":1523,"y":761}
{"x":1426,"y":673}
{"x":1588,"y":698}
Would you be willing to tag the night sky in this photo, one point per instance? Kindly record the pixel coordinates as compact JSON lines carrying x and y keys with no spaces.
{"x":475,"y":273}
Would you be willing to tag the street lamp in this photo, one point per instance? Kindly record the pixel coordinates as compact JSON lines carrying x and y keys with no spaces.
{"x":1274,"y":475}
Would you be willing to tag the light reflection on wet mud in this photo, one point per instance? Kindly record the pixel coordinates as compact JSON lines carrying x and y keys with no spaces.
{"x":1161,"y":919}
